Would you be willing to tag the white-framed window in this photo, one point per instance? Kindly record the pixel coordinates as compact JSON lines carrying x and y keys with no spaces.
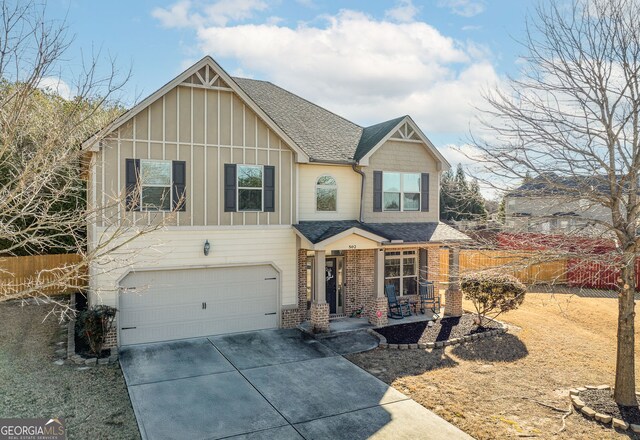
{"x":155,"y":184}
{"x":250,"y":179}
{"x":401,"y":270}
{"x":400,"y":191}
{"x":326,"y":194}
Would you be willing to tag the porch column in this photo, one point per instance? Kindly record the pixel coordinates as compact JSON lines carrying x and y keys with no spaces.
{"x":379,"y":307}
{"x":453,"y":295}
{"x":319,"y":306}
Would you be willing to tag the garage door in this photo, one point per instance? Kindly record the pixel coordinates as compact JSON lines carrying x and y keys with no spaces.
{"x":175,"y":304}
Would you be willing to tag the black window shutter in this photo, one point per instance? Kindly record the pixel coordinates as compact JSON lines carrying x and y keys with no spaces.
{"x":132,"y":173}
{"x":269,"y":189}
{"x":230,"y":183}
{"x":424,"y":196}
{"x":179,"y":179}
{"x":377,"y":191}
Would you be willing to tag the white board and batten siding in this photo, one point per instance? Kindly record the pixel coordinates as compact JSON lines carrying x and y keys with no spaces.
{"x":163,"y":305}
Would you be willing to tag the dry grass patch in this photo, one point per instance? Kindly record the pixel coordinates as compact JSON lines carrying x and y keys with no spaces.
{"x":493,"y":388}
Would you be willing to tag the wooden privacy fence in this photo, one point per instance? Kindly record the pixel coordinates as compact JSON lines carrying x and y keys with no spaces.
{"x":46,"y":272}
{"x":517,"y":263}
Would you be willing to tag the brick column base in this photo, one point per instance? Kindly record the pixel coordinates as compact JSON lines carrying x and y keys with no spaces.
{"x":378,"y":305}
{"x":453,"y":301}
{"x":319,"y":317}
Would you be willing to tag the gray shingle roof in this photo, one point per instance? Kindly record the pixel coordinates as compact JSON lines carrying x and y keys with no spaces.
{"x":323,"y":135}
{"x":317,"y":231}
{"x":374,"y":134}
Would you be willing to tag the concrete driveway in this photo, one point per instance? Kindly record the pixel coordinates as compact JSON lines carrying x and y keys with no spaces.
{"x":272,"y":384}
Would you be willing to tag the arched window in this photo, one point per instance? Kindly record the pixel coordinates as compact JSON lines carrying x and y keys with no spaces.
{"x":326,"y":194}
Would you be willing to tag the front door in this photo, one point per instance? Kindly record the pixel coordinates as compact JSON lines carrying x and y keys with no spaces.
{"x":331,"y":271}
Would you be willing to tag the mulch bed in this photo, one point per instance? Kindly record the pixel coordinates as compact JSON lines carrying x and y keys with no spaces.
{"x":602,"y":401}
{"x":442,"y":330}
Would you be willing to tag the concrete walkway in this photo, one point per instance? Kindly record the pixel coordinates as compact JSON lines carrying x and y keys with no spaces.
{"x":272,"y":384}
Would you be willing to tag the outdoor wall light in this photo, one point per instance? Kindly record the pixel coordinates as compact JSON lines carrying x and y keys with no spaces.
{"x":207,"y":247}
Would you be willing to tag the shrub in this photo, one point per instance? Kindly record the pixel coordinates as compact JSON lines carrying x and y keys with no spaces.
{"x":492,"y":293}
{"x":94,"y":324}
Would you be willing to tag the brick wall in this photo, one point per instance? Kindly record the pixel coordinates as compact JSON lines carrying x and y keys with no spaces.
{"x":359,"y":273}
{"x":111,"y":340}
{"x":294,"y":315}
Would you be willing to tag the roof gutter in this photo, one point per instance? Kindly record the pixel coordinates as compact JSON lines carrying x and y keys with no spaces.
{"x":332,"y":162}
{"x":354,"y":166}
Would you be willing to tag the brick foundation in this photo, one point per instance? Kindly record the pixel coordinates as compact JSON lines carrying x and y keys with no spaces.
{"x":378,"y":305}
{"x":320,"y":317}
{"x":453,"y":301}
{"x":290,"y":317}
{"x":111,"y":340}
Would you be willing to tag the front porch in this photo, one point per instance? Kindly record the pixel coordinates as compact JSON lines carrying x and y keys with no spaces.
{"x":344,"y":271}
{"x":348,"y":324}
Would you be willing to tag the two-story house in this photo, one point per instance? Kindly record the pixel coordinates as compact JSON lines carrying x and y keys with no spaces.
{"x":553,"y":204}
{"x":274,"y":210}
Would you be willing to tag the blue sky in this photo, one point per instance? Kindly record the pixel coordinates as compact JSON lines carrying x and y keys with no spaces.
{"x":366,"y":60}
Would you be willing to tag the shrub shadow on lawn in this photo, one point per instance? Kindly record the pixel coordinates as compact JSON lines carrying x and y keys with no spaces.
{"x":503,"y":348}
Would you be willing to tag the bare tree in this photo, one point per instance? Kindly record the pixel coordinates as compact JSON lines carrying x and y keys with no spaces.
{"x":43,"y":193}
{"x":572,"y":120}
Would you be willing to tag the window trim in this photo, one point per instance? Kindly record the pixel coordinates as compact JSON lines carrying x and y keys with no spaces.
{"x":402,"y":254}
{"x":142,"y":185}
{"x":401,"y":208}
{"x":253,"y":188}
{"x":334,"y":187}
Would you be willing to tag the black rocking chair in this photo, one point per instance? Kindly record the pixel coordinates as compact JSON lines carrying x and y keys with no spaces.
{"x":397,"y":309}
{"x":429,"y":299}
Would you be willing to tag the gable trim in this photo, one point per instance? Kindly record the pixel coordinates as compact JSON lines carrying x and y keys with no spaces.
{"x":443,"y":163}
{"x":93,"y":143}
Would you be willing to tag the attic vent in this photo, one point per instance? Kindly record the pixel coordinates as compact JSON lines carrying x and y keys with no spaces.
{"x":205,"y":77}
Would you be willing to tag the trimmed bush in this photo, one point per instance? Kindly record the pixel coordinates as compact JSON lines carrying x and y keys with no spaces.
{"x":94,"y":324}
{"x":492,"y":293}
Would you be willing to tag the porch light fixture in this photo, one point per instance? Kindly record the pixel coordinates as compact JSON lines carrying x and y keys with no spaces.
{"x":207,"y":247}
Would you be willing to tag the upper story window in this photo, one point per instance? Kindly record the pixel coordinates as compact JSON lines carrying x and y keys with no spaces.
{"x":326,"y":194}
{"x":155,"y":184}
{"x":401,"y":191}
{"x":250,"y":188}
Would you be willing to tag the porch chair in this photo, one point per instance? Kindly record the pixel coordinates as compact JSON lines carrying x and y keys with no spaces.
{"x":397,"y":309}
{"x":428,"y":296}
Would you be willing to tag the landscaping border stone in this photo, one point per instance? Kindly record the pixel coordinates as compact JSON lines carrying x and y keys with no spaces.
{"x":440,"y":344}
{"x":605,"y":419}
{"x":71,"y":344}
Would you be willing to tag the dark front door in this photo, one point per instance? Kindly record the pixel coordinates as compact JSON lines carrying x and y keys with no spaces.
{"x":331,"y":271}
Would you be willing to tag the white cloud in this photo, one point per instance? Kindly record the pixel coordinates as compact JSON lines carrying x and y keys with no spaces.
{"x":465,"y":8}
{"x":367,"y":70}
{"x":55,"y":85}
{"x":186,"y":13}
{"x":404,"y":12}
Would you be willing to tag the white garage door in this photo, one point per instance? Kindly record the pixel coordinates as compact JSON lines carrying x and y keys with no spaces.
{"x":174,"y":304}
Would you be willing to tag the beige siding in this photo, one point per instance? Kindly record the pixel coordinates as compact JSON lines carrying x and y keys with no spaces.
{"x":348,"y":182}
{"x":212,"y":128}
{"x":409,"y":157}
{"x":183,"y":248}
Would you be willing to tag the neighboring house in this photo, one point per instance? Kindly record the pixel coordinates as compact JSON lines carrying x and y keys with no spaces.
{"x":307,"y":215}
{"x":553,"y":204}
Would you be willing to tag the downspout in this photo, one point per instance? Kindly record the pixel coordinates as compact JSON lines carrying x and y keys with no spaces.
{"x":361,"y":191}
